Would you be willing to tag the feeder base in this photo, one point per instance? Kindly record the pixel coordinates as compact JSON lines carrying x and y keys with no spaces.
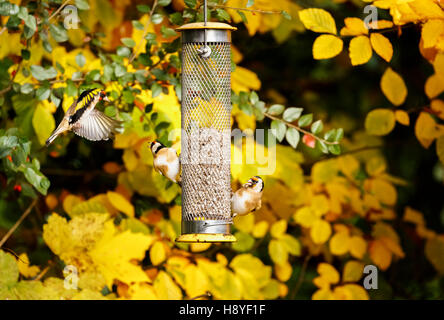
{"x":206,"y":237}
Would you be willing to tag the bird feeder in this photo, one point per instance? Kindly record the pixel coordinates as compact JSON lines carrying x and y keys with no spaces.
{"x":206,"y":136}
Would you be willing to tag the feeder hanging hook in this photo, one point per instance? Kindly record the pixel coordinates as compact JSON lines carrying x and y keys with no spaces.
{"x":205,"y":50}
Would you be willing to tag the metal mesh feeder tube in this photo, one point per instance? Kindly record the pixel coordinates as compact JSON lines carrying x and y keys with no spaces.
{"x":206,"y":136}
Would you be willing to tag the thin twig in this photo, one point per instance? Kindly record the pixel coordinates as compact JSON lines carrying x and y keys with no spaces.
{"x":145,"y":32}
{"x":301,"y":276}
{"x":299,"y":129}
{"x":19,"y":221}
{"x":245,"y":9}
{"x":59,"y":9}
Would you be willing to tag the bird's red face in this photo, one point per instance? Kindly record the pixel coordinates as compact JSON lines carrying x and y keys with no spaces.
{"x":103,"y":96}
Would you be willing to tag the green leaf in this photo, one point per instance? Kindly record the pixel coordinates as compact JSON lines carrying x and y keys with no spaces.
{"x":137,"y":25}
{"x":38,"y":180}
{"x":163,"y":3}
{"x":280,"y":128}
{"x":322,"y":146}
{"x":156,"y":89}
{"x":292,"y":114}
{"x":129,"y":42}
{"x":276,"y":109}
{"x":80,"y":60}
{"x":7,"y":143}
{"x":253,"y":97}
{"x":26,"y":88}
{"x":339,"y":135}
{"x":223,"y":15}
{"x":143,"y":8}
{"x":58,"y":33}
{"x":190,"y":3}
{"x":167,"y":32}
{"x":317,"y":127}
{"x":30,"y":22}
{"x":82,"y":4}
{"x":250,"y":3}
{"x":292,"y":135}
{"x":334,"y":149}
{"x":26,"y":54}
{"x":243,"y":17}
{"x":43,"y":93}
{"x":149,"y":108}
{"x":305,"y":120}
{"x":157,"y":18}
{"x":110,"y":111}
{"x":123,"y":51}
{"x":41,"y":73}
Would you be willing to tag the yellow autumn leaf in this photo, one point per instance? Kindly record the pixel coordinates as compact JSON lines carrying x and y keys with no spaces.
{"x":380,"y":24}
{"x":413,"y":216}
{"x":380,"y":254}
{"x":384,"y":191}
{"x":354,"y":27}
{"x":277,"y":251}
{"x":196,"y":281}
{"x":25,"y":267}
{"x":380,"y":122}
{"x":382,"y":46}
{"x":318,"y":20}
{"x":340,"y":243}
{"x":283,"y":271}
{"x":434,"y":251}
{"x":323,"y":294}
{"x":434,"y":86}
{"x":157,"y":253}
{"x":431,"y":31}
{"x":327,"y":46}
{"x":438,"y":64}
{"x":393,"y":87}
{"x":43,"y":123}
{"x":243,"y":79}
{"x":438,"y":107}
{"x":440,"y":148}
{"x":320,"y":205}
{"x":356,"y":292}
{"x":166,"y":288}
{"x":360,"y":50}
{"x":260,"y":229}
{"x":244,"y":223}
{"x":358,"y":247}
{"x":427,"y":130}
{"x":70,"y":202}
{"x":353,"y":271}
{"x":320,"y":231}
{"x":114,"y":253}
{"x":305,"y":217}
{"x":328,"y":272}
{"x":120,"y":203}
{"x":402,"y":117}
{"x":278,"y":228}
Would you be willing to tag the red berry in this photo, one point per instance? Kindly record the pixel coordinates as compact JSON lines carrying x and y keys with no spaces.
{"x":18,"y":188}
{"x":309,"y":141}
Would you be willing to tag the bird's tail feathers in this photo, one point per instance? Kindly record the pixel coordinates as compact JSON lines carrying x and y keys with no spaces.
{"x":63,"y":126}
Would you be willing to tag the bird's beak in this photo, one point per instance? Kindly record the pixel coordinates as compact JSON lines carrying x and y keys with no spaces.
{"x":105,"y":98}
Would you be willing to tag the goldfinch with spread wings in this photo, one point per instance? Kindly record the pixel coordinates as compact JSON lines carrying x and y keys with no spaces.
{"x":84,"y":120}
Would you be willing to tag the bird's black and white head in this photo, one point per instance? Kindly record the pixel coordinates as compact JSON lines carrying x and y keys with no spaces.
{"x":155,"y":146}
{"x":256,"y":183}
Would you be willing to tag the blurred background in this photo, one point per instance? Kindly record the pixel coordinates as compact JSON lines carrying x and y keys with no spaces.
{"x":94,"y":220}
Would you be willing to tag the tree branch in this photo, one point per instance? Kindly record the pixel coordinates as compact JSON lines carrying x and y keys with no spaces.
{"x":145,"y":31}
{"x":301,"y":276}
{"x":300,"y":129}
{"x":19,"y":221}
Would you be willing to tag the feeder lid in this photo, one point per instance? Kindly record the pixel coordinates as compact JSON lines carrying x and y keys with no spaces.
{"x":210,"y":25}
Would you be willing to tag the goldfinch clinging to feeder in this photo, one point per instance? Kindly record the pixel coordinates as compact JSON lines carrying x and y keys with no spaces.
{"x":248,"y":198}
{"x":166,"y":161}
{"x":84,"y":120}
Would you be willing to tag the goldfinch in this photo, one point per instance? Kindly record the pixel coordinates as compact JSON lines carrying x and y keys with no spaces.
{"x":166,"y":161}
{"x":248,"y":198}
{"x":84,"y":120}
